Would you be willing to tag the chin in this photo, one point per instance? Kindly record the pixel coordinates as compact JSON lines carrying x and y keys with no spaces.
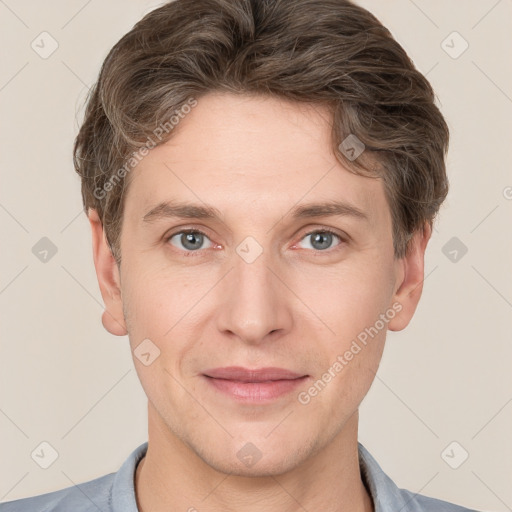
{"x":260,"y":458}
{"x":266,"y":467}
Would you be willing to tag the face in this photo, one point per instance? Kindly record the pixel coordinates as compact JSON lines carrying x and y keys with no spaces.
{"x":260,"y":275}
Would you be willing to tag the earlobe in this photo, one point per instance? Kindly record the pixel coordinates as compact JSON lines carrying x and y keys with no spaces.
{"x":411,"y":275}
{"x":107,"y":273}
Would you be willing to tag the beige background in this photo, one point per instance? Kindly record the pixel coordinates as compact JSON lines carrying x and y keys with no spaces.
{"x":66,"y":381}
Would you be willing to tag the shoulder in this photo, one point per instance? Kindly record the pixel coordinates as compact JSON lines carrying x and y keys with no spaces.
{"x":107,"y":493}
{"x":419,"y":503}
{"x":90,"y":496}
{"x":387,"y":496}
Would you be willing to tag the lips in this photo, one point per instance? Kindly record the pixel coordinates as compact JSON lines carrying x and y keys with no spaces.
{"x":240,"y":374}
{"x":260,"y":385}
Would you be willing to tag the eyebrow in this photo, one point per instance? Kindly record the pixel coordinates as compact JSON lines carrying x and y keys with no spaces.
{"x":173,"y":209}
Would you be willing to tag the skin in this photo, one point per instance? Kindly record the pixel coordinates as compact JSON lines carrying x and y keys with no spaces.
{"x":297,"y":306}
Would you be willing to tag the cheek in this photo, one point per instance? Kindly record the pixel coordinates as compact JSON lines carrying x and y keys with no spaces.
{"x":155,"y":298}
{"x":154,"y":310}
{"x":348,"y":300}
{"x":350,"y":303}
{"x":346,"y":363}
{"x":160,"y":307}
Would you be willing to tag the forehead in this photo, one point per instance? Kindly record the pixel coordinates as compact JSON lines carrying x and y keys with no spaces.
{"x":249,"y":154}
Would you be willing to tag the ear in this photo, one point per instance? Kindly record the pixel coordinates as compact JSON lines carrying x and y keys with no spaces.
{"x":107,"y":272}
{"x":410,"y":275}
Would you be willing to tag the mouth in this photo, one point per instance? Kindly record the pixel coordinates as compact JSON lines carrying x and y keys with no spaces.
{"x":254,"y":385}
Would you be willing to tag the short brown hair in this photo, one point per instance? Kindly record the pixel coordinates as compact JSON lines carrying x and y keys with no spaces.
{"x":329,"y":52}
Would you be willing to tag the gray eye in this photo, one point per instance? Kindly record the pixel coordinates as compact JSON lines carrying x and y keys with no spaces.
{"x":321,"y":240}
{"x":189,"y":240}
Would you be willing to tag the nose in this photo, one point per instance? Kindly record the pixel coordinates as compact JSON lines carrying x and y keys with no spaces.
{"x":254,"y":301}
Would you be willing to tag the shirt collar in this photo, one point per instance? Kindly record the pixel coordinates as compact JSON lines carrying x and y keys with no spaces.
{"x":383,"y":491}
{"x":123,"y":487}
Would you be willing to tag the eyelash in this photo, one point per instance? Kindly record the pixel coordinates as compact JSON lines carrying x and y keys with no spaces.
{"x":195,"y":230}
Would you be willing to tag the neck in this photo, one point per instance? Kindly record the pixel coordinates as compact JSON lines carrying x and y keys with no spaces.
{"x":172,"y":476}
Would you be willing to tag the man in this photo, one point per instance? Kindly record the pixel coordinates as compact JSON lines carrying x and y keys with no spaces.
{"x":261,"y":181}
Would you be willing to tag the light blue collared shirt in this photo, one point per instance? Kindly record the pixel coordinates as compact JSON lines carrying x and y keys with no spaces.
{"x":115,"y":492}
